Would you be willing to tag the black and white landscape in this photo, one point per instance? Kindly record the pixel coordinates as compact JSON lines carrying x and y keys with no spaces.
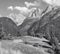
{"x":29,"y":26}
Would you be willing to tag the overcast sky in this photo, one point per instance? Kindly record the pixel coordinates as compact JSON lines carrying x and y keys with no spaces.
{"x":18,"y":9}
{"x":4,"y":4}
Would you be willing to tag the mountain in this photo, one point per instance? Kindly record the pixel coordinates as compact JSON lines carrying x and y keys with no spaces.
{"x":33,"y":16}
{"x":8,"y":27}
{"x":35,"y":13}
{"x":17,"y":18}
{"x":49,"y":27}
{"x":26,"y":25}
{"x":49,"y":17}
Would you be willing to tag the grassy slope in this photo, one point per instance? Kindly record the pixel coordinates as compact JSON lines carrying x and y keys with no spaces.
{"x":22,"y":48}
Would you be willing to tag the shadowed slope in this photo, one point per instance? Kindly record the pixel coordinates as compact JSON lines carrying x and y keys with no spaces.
{"x":7,"y":26}
{"x":26,"y":25}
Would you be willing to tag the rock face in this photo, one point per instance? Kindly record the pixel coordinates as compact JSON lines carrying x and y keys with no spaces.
{"x":26,"y":25}
{"x":7,"y":26}
{"x":49,"y":22}
{"x":49,"y":27}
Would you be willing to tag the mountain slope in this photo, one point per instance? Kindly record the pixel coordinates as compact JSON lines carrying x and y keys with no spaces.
{"x":50,"y":18}
{"x":8,"y":26}
{"x":26,"y":24}
{"x":49,"y":27}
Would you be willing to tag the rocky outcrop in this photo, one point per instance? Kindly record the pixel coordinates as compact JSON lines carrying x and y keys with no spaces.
{"x":35,"y":13}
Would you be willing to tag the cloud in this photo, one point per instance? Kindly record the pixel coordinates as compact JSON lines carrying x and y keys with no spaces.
{"x":23,"y":12}
{"x":10,"y":8}
{"x":28,"y":4}
{"x":53,"y":2}
{"x":22,"y":9}
{"x":49,"y":1}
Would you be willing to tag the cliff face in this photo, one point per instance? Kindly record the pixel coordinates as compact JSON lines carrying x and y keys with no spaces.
{"x":48,"y":27}
{"x":48,"y":22}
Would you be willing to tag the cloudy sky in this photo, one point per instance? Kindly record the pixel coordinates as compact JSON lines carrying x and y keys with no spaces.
{"x":4,"y":4}
{"x":10,"y":4}
{"x":20,"y":8}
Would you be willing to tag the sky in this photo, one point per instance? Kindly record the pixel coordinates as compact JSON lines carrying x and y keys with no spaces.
{"x":17,"y":10}
{"x":10,"y":4}
{"x":4,"y":4}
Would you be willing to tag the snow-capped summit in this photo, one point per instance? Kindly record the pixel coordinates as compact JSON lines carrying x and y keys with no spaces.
{"x":17,"y":18}
{"x":35,"y":13}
